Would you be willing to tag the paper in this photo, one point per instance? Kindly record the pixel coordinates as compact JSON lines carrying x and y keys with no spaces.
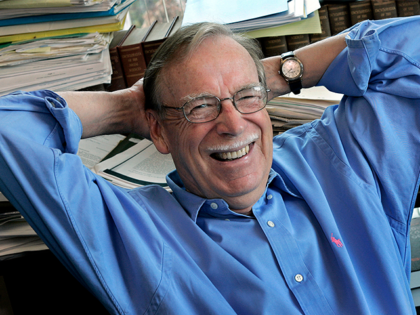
{"x":139,"y":165}
{"x":105,"y":28}
{"x":317,"y":93}
{"x":59,"y":25}
{"x":94,"y":63}
{"x":93,"y":150}
{"x":31,"y":11}
{"x":311,"y":25}
{"x":2,"y":197}
{"x":222,"y":11}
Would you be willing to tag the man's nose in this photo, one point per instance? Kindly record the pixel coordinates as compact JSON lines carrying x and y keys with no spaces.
{"x":230,"y":120}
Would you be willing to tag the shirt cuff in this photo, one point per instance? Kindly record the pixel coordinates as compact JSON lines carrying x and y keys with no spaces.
{"x":67,"y":118}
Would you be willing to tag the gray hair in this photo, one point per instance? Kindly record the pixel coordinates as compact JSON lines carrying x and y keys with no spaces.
{"x":180,"y":45}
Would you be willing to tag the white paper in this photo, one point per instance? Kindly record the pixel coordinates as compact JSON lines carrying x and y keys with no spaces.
{"x":142,"y":162}
{"x":93,"y":150}
{"x":231,"y":11}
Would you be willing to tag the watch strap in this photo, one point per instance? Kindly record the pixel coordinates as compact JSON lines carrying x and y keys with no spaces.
{"x":295,"y":86}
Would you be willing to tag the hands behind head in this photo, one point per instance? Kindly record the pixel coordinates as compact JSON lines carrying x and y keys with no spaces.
{"x":140,"y":125}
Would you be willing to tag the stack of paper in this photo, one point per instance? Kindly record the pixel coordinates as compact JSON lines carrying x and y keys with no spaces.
{"x":290,"y":111}
{"x":128,"y":162}
{"x":246,"y":16}
{"x":60,"y":63}
{"x":57,"y":44}
{"x":17,"y":236}
{"x":29,"y":19}
{"x":141,"y":164}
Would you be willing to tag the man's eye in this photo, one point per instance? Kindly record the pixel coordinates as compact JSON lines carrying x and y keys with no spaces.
{"x":201,"y":106}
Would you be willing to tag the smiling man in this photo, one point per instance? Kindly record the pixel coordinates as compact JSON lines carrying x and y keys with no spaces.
{"x":205,"y":149}
{"x":315,"y":221}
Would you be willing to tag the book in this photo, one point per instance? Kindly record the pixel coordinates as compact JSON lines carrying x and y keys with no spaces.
{"x":45,"y":17}
{"x":157,"y":36}
{"x":325,"y":26}
{"x":360,"y":11}
{"x":384,"y":9}
{"x":304,"y":26}
{"x":138,"y":48}
{"x":131,"y":54}
{"x":297,"y":41}
{"x":407,"y":8}
{"x":62,"y":24}
{"x":106,"y":28}
{"x":118,"y":78}
{"x":229,"y":12}
{"x":339,"y":16}
{"x":134,"y":163}
{"x":273,"y":46}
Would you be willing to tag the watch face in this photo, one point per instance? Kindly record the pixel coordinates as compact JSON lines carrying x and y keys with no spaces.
{"x":291,"y":69}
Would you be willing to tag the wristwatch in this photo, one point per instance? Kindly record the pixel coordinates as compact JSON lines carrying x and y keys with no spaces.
{"x":291,"y":70}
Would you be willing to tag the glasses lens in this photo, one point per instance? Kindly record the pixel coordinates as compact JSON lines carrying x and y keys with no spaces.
{"x":250,"y":100}
{"x":201,"y":109}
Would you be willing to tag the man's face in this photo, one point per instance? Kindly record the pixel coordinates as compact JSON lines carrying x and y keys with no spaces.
{"x":219,"y":67}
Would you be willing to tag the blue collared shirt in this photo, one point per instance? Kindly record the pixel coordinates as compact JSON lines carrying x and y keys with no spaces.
{"x":328,"y":236}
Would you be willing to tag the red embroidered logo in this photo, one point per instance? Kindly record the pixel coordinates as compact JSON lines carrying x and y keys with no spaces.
{"x":336,"y":241}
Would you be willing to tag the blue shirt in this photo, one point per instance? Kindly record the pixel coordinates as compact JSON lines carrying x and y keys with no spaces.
{"x":330,"y":233}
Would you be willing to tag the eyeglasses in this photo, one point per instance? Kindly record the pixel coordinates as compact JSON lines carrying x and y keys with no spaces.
{"x":207,"y":108}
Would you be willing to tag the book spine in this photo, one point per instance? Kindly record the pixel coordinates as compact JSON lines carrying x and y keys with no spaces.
{"x":117,"y":77}
{"x":384,"y":9}
{"x":339,"y":16}
{"x":297,"y":41}
{"x":133,"y":63}
{"x":149,"y":48}
{"x":325,"y":25}
{"x":273,"y":46}
{"x":407,"y":8}
{"x":360,"y":11}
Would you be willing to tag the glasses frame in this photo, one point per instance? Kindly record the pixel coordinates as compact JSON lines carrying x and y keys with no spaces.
{"x":219,"y":104}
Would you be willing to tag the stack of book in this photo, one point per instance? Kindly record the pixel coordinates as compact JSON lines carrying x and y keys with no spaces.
{"x":271,"y":22}
{"x":336,"y":16}
{"x":131,"y":51}
{"x":57,"y":44}
{"x":16,"y":235}
{"x":293,"y":110}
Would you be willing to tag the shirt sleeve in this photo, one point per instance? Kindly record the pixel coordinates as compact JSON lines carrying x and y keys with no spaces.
{"x":85,"y":221}
{"x":375,"y":129}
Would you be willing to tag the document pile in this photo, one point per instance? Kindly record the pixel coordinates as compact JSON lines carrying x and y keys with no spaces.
{"x":130,"y":162}
{"x":249,"y":15}
{"x":57,"y":44}
{"x":290,"y":111}
{"x":60,"y":63}
{"x":16,"y":235}
{"x":29,"y":19}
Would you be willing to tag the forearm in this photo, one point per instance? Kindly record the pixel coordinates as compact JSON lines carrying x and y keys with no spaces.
{"x":315,"y":58}
{"x":109,"y":112}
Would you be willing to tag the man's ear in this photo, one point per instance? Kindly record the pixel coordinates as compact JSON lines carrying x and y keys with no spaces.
{"x":157,"y":133}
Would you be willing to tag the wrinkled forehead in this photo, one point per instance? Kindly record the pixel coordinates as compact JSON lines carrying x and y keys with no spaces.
{"x":218,"y":65}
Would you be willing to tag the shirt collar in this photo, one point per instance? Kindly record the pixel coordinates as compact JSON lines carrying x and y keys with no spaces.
{"x":195,"y":205}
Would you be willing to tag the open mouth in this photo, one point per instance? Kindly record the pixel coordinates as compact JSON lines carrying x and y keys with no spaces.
{"x":229,"y":156}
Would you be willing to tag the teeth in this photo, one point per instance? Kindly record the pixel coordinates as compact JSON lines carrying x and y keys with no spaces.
{"x":233,"y":155}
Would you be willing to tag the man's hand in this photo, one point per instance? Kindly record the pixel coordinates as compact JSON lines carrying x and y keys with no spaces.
{"x":316,"y":58}
{"x":103,"y":113}
{"x":275,"y":82}
{"x":139,"y":122}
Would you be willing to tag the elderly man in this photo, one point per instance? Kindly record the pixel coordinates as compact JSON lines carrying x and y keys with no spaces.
{"x":317,"y":223}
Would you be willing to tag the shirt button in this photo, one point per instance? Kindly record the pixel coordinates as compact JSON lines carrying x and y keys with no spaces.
{"x":214,"y":205}
{"x":299,"y":278}
{"x":271,"y":224}
{"x":269,"y":197}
